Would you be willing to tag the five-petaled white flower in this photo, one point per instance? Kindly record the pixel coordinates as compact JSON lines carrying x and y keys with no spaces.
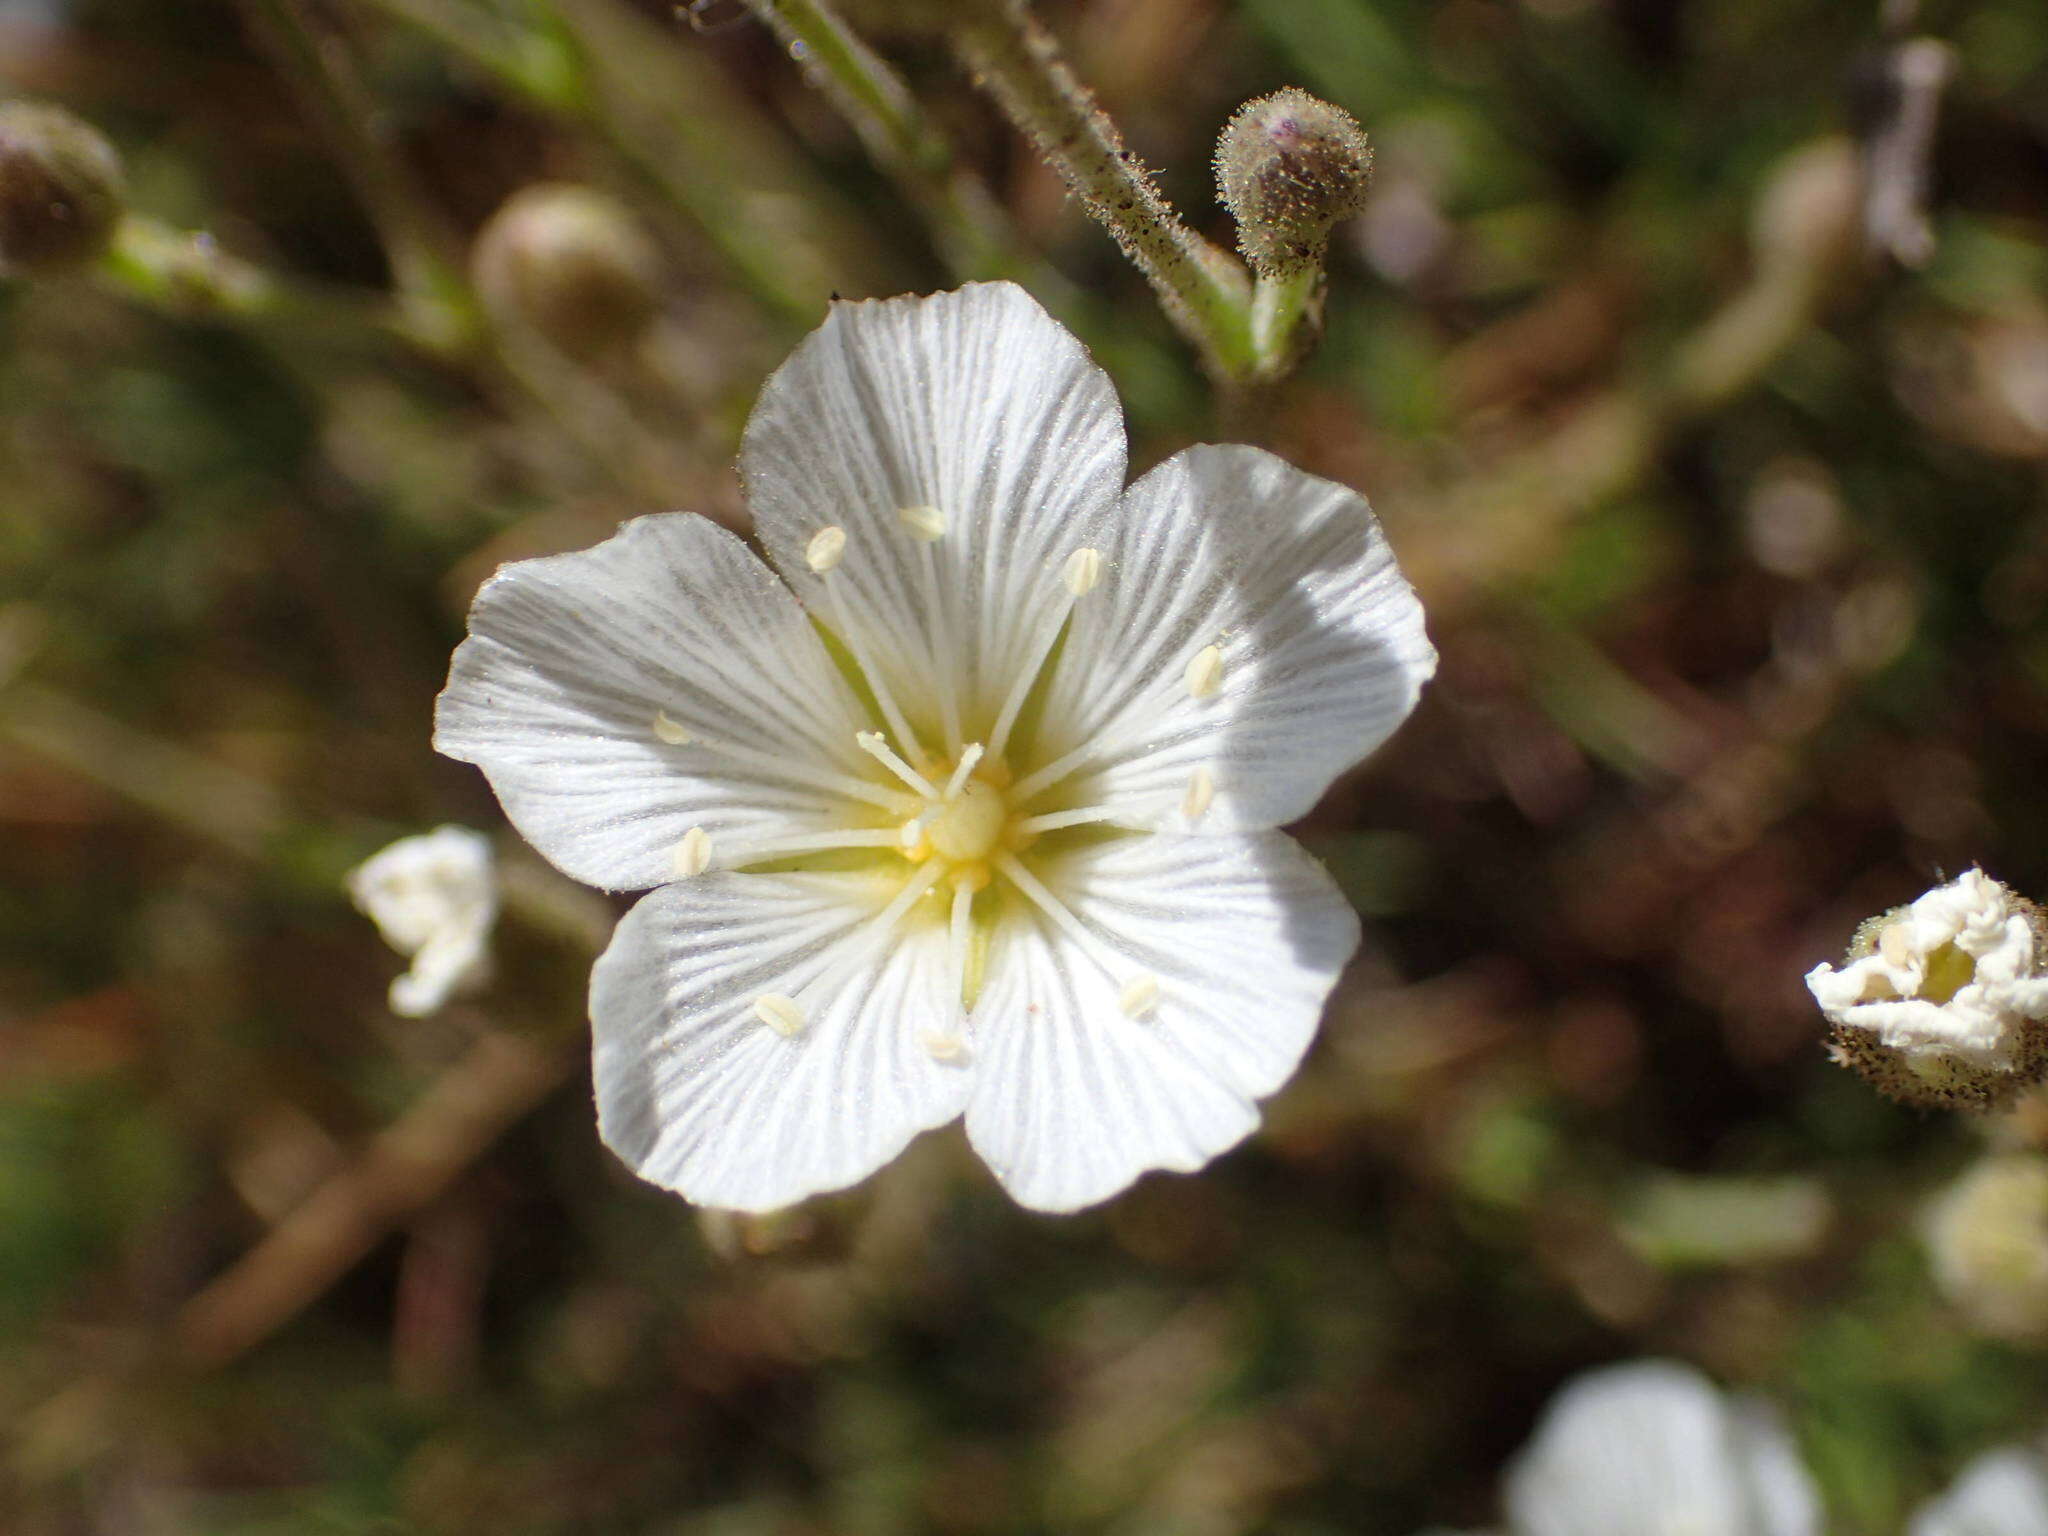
{"x":966,"y":806}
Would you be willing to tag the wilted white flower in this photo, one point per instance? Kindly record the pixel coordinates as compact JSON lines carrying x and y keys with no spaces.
{"x":965,"y":806}
{"x":1987,"y":1237}
{"x":2001,"y":1493}
{"x":1943,"y":1001}
{"x":434,"y":897}
{"x":1652,"y":1448}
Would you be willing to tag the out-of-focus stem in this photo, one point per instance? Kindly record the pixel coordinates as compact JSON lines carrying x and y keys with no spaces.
{"x":970,"y":228}
{"x":500,"y":1078}
{"x":1203,"y":289}
{"x":422,"y":249}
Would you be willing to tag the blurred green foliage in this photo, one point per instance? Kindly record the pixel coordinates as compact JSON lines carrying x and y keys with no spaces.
{"x":1725,"y":671}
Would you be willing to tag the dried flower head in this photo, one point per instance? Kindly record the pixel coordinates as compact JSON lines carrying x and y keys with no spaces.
{"x":1289,"y":166}
{"x":965,"y":806}
{"x":1942,"y":1002}
{"x":434,"y":897}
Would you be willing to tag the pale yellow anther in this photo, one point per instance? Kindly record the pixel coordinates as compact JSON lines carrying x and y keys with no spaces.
{"x":1201,"y":790}
{"x":826,"y":549}
{"x":922,"y":523}
{"x":1895,"y":943}
{"x":1083,"y":570}
{"x":1205,"y":672}
{"x":947,"y":1048}
{"x":779,"y":1013}
{"x":1139,"y":996}
{"x":693,"y":853}
{"x":669,"y":731}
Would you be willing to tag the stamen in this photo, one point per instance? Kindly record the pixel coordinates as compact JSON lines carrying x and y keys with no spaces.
{"x":1082,"y":571}
{"x":1052,"y":821}
{"x":959,"y":934}
{"x":806,"y":842}
{"x":693,"y":854}
{"x":826,"y":549}
{"x":1139,"y":996}
{"x":876,"y":746}
{"x":669,"y":731}
{"x":1072,"y":926}
{"x":780,"y":1014}
{"x":856,"y":951}
{"x":872,"y":674}
{"x":1201,"y":790}
{"x":946,"y":1048}
{"x":968,"y":759}
{"x":924,"y":524}
{"x":771,"y":766}
{"x":945,"y":642}
{"x":1205,"y":672}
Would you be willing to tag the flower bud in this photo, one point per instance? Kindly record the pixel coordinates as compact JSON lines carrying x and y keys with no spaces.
{"x":1987,"y":1241}
{"x":1288,"y":167}
{"x":571,"y":263}
{"x":1942,"y":1002}
{"x":60,"y":189}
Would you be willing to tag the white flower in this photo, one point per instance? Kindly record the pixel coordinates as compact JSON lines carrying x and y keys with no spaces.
{"x":434,"y":897}
{"x":1941,"y":1001}
{"x":1652,"y":1448}
{"x":965,"y":807}
{"x":2001,"y":1493}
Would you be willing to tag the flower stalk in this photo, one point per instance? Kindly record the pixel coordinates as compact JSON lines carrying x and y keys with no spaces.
{"x":1204,"y":292}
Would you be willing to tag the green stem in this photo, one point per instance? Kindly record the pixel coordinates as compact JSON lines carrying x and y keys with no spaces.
{"x":973,"y":234}
{"x":1203,"y":290}
{"x":1284,"y":315}
{"x":422,"y":249}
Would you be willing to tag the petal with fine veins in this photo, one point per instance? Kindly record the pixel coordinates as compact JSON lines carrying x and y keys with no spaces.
{"x":1258,"y":630}
{"x":967,"y":447}
{"x":663,"y":680}
{"x":704,"y":1091}
{"x":1192,"y":989}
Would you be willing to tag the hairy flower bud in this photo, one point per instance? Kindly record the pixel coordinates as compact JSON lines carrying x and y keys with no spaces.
{"x":1987,"y":1239}
{"x":1288,"y":167}
{"x":60,"y":189}
{"x":570,"y":262}
{"x":1942,"y":1002}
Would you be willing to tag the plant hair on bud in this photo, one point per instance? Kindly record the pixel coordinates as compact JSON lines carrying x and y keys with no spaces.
{"x":1289,"y":166}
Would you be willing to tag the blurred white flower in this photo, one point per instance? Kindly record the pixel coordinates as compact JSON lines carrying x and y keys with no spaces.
{"x":2001,"y":1493}
{"x":1987,"y":1240}
{"x":1942,"y":1001}
{"x":434,"y":898}
{"x":966,"y":805}
{"x":1652,"y":1448}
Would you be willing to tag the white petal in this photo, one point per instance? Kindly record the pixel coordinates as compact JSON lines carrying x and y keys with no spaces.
{"x":1318,"y":636}
{"x":1653,"y":1447}
{"x":434,"y":897}
{"x":1073,"y":1096}
{"x":698,"y":1093}
{"x":2002,"y":1493}
{"x":973,"y":407}
{"x":570,"y":660}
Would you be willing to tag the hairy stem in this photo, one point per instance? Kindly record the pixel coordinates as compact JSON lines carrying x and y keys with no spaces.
{"x":1204,"y":290}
